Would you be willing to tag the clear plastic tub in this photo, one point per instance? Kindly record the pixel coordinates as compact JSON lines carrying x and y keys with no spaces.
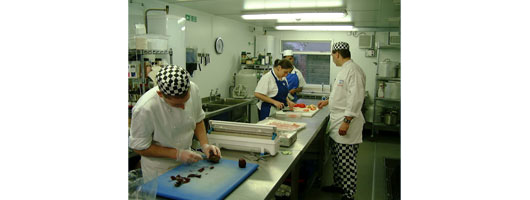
{"x":138,"y":189}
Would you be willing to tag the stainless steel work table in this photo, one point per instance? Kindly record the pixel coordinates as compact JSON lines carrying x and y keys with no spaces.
{"x":271,"y":173}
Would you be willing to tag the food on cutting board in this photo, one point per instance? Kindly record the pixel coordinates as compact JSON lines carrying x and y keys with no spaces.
{"x":183,"y":180}
{"x":312,"y":107}
{"x":213,"y":158}
{"x":306,"y":110}
{"x":194,"y":175}
{"x":242,"y":163}
{"x":300,"y":105}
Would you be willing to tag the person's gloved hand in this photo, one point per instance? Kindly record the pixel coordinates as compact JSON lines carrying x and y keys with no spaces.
{"x":206,"y":148}
{"x":187,"y":156}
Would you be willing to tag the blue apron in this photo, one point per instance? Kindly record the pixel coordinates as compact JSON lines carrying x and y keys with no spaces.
{"x":293,"y":84}
{"x":281,"y":96}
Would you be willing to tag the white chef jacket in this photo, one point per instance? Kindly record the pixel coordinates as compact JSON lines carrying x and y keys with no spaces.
{"x":301,"y":80}
{"x":154,"y":121}
{"x":267,"y":86}
{"x":346,"y":99}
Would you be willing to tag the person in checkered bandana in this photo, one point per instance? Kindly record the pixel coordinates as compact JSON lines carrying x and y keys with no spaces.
{"x":346,"y":120}
{"x":164,"y":121}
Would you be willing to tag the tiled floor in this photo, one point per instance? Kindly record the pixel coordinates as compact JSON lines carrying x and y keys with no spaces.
{"x":370,"y":185}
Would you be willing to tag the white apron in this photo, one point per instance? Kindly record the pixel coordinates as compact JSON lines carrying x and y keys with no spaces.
{"x":182,"y":125}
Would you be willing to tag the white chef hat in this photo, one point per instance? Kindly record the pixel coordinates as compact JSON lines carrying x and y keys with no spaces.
{"x":173,"y":80}
{"x":287,"y":53}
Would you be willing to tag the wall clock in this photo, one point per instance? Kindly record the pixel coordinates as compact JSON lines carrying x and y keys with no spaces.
{"x":219,"y":45}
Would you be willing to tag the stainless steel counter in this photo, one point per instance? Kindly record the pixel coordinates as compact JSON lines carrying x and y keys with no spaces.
{"x":271,"y":173}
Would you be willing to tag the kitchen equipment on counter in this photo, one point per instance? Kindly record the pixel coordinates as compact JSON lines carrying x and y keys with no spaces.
{"x":239,"y":92}
{"x":244,"y":136}
{"x":286,"y":129}
{"x":215,"y":183}
{"x":248,"y":78}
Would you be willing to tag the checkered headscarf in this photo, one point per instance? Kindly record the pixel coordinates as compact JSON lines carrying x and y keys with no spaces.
{"x":340,"y":46}
{"x":173,"y":80}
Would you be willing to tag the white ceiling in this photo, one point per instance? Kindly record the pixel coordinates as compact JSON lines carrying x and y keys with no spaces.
{"x":366,"y":13}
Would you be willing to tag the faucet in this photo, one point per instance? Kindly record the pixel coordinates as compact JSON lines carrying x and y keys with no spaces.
{"x":211,"y":94}
{"x":217,"y":95}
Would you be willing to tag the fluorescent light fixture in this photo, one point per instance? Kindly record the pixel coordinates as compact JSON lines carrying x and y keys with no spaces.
{"x":278,"y":4}
{"x":346,"y":18}
{"x":295,"y":16}
{"x":316,"y":27}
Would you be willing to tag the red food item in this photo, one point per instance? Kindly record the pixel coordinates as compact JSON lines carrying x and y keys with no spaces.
{"x":213,"y":158}
{"x":173,"y":178}
{"x":201,"y":169}
{"x":300,"y":105}
{"x":211,"y":167}
{"x":242,"y":163}
{"x":194,"y":175}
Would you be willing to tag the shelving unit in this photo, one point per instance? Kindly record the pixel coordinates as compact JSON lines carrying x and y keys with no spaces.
{"x":141,"y":78}
{"x":376,"y":124}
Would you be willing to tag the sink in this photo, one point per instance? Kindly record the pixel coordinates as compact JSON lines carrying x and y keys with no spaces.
{"x":213,"y":107}
{"x":228,"y":101}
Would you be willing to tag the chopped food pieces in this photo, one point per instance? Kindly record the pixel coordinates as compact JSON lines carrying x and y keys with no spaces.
{"x":306,"y":110}
{"x":194,"y":175}
{"x":211,"y":167}
{"x":242,"y":163}
{"x":178,"y":183}
{"x":180,"y":180}
{"x":312,"y":107}
{"x":201,"y":169}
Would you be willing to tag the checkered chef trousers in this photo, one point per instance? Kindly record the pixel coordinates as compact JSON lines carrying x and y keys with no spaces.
{"x":344,"y":157}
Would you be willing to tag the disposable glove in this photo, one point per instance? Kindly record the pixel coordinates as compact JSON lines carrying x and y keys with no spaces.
{"x":206,"y":148}
{"x":187,"y":156}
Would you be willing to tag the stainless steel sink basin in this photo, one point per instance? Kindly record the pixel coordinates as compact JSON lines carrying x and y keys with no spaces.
{"x":213,"y":107}
{"x":228,"y":101}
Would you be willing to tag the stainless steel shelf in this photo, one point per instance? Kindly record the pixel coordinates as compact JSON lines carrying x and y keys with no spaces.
{"x":387,"y":99}
{"x":388,"y":79}
{"x":389,"y":47}
{"x":383,"y":126}
{"x":147,"y":51}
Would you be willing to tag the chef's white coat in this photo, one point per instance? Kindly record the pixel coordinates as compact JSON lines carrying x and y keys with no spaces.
{"x":154,"y":121}
{"x":346,"y":99}
{"x":267,"y":86}
{"x":301,"y":80}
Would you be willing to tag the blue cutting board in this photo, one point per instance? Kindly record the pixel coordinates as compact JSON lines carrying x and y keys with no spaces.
{"x":215,"y":183}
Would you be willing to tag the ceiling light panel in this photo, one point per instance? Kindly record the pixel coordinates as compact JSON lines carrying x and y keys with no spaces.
{"x":294,"y":16}
{"x":317,"y":28}
{"x":346,"y":18}
{"x":284,"y":4}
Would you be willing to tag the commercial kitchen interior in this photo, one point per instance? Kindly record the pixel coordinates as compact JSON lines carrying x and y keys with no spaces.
{"x":462,"y":136}
{"x":223,"y":18}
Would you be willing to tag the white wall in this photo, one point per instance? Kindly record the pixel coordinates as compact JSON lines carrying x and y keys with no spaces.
{"x":357,"y":56}
{"x":201,"y":35}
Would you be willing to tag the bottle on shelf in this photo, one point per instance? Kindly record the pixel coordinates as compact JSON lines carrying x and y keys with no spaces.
{"x":380,"y":91}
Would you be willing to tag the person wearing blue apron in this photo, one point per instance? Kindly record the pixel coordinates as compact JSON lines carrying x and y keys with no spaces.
{"x":273,"y":88}
{"x":295,"y":78}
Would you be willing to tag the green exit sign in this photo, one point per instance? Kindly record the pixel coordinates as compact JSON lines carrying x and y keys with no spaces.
{"x":191,"y":18}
